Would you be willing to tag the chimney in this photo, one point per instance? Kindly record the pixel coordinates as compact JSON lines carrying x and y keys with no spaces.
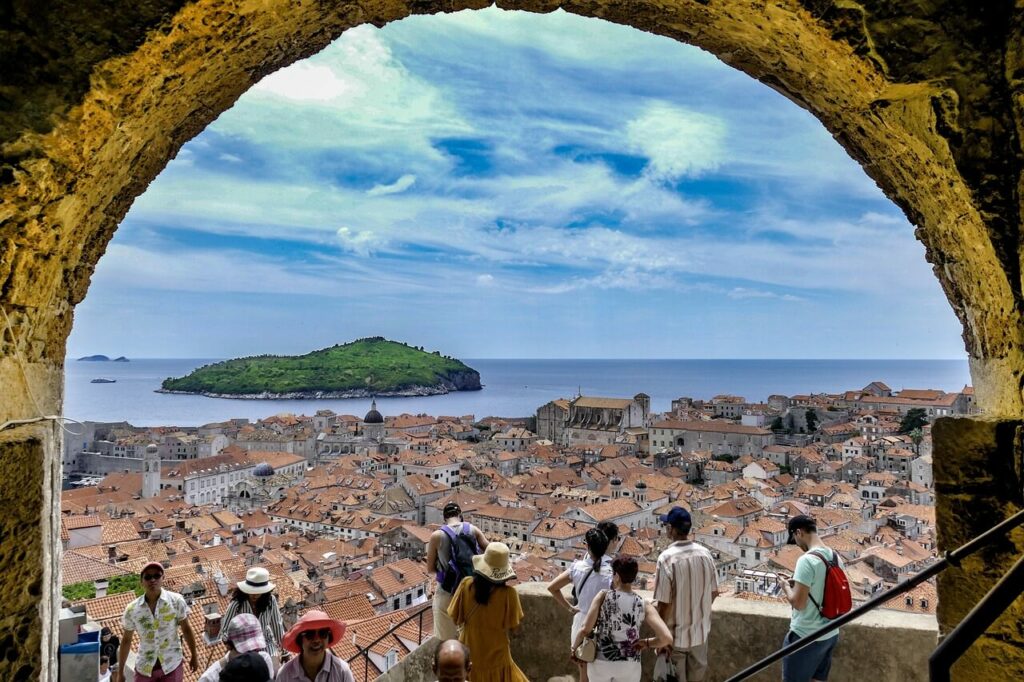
{"x":101,"y":587}
{"x":222,"y":583}
{"x":112,"y":554}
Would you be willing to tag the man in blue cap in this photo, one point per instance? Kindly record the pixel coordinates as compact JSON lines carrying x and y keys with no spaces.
{"x":685,"y":585}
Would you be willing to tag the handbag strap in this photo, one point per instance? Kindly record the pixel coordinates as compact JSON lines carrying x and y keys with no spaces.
{"x":584,"y":582}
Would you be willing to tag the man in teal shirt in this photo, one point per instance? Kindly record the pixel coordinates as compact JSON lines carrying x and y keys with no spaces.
{"x":806,"y":592}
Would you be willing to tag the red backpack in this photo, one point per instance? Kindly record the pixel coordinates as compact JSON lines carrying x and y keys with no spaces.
{"x":837,"y":598}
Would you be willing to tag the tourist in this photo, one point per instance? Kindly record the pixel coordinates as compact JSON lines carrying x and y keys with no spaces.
{"x":243,"y":635}
{"x":487,"y":609}
{"x":250,"y":667}
{"x":450,"y":568}
{"x":255,"y":595}
{"x":109,"y":644}
{"x":311,"y":638}
{"x":611,"y":529}
{"x":615,"y":619}
{"x":587,"y":582}
{"x":804,"y":591}
{"x":104,"y":669}
{"x":451,"y":661}
{"x":158,"y":614}
{"x":685,"y":584}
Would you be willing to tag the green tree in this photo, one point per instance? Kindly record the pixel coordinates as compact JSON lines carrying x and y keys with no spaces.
{"x":777,"y":424}
{"x":915,"y":418}
{"x":917,"y":435}
{"x":812,"y":420}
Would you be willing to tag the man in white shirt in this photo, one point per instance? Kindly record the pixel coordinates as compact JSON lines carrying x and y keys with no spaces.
{"x":158,"y":615}
{"x":685,"y":585}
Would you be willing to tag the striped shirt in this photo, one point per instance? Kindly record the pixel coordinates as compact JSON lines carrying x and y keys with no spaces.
{"x":270,"y":620}
{"x":686,"y":578}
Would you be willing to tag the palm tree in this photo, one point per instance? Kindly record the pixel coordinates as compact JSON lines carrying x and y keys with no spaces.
{"x":917,"y":435}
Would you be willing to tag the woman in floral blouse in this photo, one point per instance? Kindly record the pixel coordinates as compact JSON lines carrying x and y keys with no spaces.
{"x":615,"y":618}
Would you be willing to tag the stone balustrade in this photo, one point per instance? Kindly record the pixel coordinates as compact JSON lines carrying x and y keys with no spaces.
{"x":884,"y":646}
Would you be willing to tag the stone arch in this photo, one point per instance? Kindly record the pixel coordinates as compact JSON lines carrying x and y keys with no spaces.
{"x":925,"y":97}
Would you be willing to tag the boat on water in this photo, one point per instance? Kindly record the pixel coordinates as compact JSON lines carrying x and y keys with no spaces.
{"x":103,"y":380}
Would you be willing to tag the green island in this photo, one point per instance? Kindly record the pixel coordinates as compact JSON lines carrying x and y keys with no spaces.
{"x":363,"y":368}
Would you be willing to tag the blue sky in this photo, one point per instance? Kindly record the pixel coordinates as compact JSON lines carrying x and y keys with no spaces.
{"x":501,"y":184}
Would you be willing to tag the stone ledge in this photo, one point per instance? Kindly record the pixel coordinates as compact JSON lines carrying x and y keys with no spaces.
{"x":884,"y":646}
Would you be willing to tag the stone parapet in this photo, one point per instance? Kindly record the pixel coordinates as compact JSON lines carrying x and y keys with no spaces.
{"x":884,"y":646}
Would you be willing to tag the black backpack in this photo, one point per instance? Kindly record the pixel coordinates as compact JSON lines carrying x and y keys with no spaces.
{"x":462,"y":547}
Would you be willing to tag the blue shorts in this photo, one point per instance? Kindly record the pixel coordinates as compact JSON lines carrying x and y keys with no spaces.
{"x":813,"y":662}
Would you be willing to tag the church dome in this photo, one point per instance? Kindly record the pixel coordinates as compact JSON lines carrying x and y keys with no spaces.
{"x":263,"y":469}
{"x":616,"y":481}
{"x":373,"y":416}
{"x":640,"y":485}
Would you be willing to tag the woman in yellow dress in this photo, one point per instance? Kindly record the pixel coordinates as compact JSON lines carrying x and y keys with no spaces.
{"x":486,"y":609}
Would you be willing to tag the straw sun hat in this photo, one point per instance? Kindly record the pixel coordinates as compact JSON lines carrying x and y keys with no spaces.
{"x":493,"y":563}
{"x":257,"y":581}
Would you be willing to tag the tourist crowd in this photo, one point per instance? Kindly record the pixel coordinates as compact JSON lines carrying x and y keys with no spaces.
{"x":475,"y":609}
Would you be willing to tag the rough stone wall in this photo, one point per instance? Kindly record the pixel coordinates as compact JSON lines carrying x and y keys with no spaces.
{"x":22,"y":554}
{"x":97,"y":97}
{"x":979,"y":480}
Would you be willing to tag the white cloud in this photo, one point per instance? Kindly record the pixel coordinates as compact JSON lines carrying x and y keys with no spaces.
{"x":485,"y":280}
{"x":305,"y":82}
{"x":203,"y":271}
{"x":400,"y":185}
{"x":230,"y":158}
{"x":678,"y":142}
{"x":362,"y":242}
{"x":740,"y":293}
{"x":353,"y":95}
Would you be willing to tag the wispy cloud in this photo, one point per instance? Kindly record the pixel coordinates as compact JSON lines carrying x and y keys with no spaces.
{"x":504,"y":159}
{"x":400,"y":185}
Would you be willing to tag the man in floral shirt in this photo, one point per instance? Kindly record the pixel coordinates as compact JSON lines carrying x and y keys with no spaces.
{"x":156,"y":616}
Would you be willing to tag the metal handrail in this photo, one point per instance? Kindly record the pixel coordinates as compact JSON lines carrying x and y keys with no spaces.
{"x":975,"y":623}
{"x":364,"y":652}
{"x":952,"y":558}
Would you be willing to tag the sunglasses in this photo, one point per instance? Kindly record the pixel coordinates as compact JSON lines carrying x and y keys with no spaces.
{"x":322,"y":633}
{"x":153,"y":576}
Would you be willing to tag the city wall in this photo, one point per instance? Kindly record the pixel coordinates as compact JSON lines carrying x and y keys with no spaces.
{"x":887,"y":646}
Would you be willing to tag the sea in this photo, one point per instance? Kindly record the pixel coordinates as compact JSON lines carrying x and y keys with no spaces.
{"x":512,"y":388}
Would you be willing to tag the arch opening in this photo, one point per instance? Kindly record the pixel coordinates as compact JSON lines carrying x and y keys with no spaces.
{"x":70,"y":185}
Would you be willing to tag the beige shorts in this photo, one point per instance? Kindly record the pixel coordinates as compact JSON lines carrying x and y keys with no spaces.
{"x":691,"y":664}
{"x":444,"y":626}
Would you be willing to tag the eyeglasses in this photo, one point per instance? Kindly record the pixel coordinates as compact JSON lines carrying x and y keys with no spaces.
{"x":322,"y":633}
{"x":153,"y":576}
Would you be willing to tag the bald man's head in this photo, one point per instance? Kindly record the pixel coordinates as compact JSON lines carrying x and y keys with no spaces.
{"x":451,"y":661}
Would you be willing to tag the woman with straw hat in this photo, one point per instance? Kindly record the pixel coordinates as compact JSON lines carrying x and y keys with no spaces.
{"x":487,"y":609}
{"x":255,"y":595}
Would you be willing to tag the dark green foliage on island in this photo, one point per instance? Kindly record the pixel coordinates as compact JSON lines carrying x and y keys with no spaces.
{"x":374,"y":364}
